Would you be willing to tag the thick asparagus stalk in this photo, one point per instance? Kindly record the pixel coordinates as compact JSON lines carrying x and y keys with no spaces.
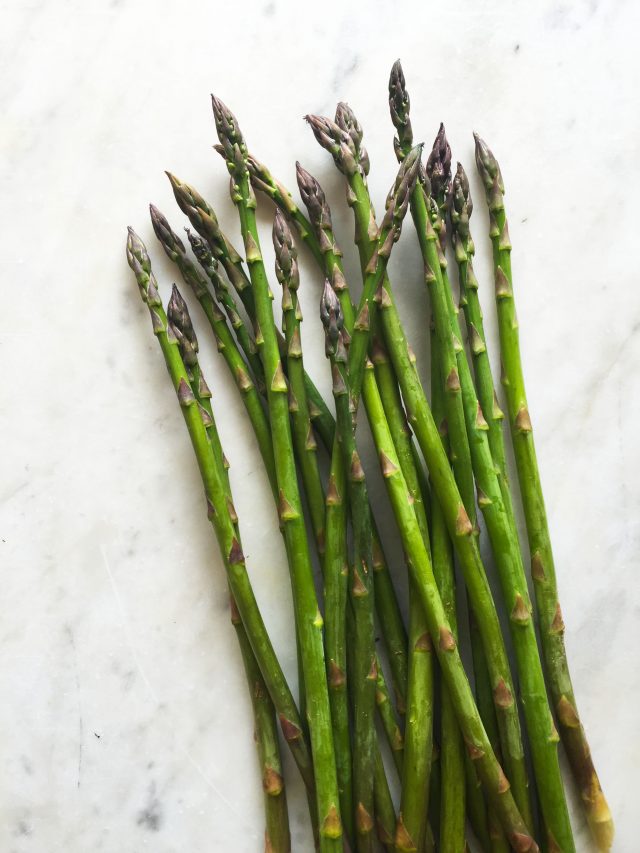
{"x":542,"y":564}
{"x":220,"y":515}
{"x":205,"y":222}
{"x":303,"y":437}
{"x":480,"y":599}
{"x":363,"y":674}
{"x":309,"y":620}
{"x":277,"y":835}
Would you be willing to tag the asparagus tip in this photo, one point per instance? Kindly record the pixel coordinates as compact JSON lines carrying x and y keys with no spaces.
{"x":439,"y":164}
{"x":331,"y":316}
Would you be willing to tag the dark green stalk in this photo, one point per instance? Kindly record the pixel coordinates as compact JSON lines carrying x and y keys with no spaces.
{"x":542,"y":564}
{"x":308,"y":618}
{"x":363,"y":674}
{"x":304,"y":440}
{"x":412,"y":820}
{"x":220,"y":514}
{"x":452,"y":756}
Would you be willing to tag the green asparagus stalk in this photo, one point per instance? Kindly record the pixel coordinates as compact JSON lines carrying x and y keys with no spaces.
{"x":542,"y":564}
{"x":204,"y":220}
{"x":225,"y":299}
{"x":277,"y":835}
{"x":220,"y":515}
{"x":412,"y":822}
{"x":363,"y":674}
{"x":489,"y":771}
{"x":501,"y":526}
{"x":452,"y":762}
{"x":324,"y":245}
{"x":480,"y":596}
{"x":309,"y":620}
{"x":175,"y":250}
{"x":303,"y":437}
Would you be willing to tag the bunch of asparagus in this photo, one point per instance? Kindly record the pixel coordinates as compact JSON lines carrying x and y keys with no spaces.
{"x":458,"y":751}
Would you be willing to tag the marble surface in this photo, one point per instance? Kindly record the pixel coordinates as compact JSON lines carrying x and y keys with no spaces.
{"x":124,"y":716}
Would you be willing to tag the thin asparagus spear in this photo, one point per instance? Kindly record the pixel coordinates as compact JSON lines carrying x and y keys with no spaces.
{"x":225,"y":298}
{"x":412,"y":820}
{"x":175,"y":250}
{"x":501,"y":526}
{"x":480,"y":599}
{"x":219,"y":514}
{"x":452,"y":761}
{"x":309,"y":620}
{"x":303,"y":437}
{"x":205,"y":222}
{"x":277,"y":835}
{"x":542,"y":564}
{"x":421,"y":420}
{"x":363,"y":674}
{"x":325,"y":247}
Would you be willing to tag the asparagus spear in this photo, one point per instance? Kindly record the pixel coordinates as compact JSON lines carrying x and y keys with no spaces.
{"x":303,"y":437}
{"x":452,"y":796}
{"x":277,"y":835}
{"x":412,"y":823}
{"x":502,"y":683}
{"x":501,"y":526}
{"x":204,"y":220}
{"x":363,"y":674}
{"x":542,"y":564}
{"x":220,"y":515}
{"x":175,"y":250}
{"x":309,"y":620}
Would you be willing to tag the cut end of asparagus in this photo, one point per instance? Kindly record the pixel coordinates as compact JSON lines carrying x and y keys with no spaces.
{"x":487,"y":165}
{"x":399,"y":105}
{"x":287,"y":271}
{"x":332,"y":318}
{"x":439,"y":165}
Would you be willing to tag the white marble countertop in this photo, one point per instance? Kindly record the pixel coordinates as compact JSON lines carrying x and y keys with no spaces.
{"x":124,"y":715}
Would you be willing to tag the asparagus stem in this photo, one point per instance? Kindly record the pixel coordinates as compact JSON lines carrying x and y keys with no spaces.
{"x":309,"y":620}
{"x":501,"y":526}
{"x":418,"y":750}
{"x":220,"y":514}
{"x":444,"y":484}
{"x":224,"y":297}
{"x":277,"y":835}
{"x":321,"y":239}
{"x":542,"y":564}
{"x":489,"y":771}
{"x":363,"y":674}
{"x":452,"y":756}
{"x":387,"y":716}
{"x":303,"y":437}
{"x":385,"y":811}
{"x":175,"y":250}
{"x":203,"y":219}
